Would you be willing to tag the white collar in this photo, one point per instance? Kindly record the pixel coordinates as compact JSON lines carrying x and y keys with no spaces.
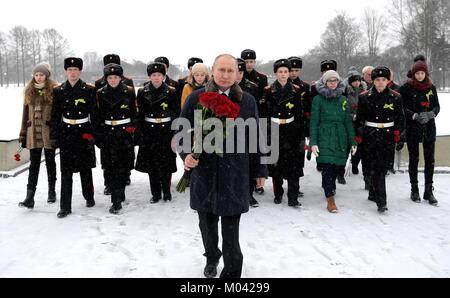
{"x":227,"y":92}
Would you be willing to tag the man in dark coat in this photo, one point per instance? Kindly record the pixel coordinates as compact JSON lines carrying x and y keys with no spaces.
{"x":305,"y":93}
{"x":74,"y":115}
{"x":100,"y":83}
{"x":251,"y":88}
{"x":284,"y":107}
{"x":117,"y":116}
{"x":219,"y":184}
{"x":381,"y":125}
{"x":157,"y":108}
{"x":249,"y":56}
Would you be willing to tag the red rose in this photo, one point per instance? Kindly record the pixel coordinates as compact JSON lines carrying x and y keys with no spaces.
{"x":17,"y":157}
{"x":425,"y":104}
{"x":307,"y":148}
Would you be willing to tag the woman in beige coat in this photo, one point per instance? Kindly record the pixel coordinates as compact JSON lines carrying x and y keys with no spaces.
{"x":35,"y":131}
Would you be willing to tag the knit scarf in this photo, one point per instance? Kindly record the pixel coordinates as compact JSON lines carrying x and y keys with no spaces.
{"x":39,"y":86}
{"x":421,"y":86}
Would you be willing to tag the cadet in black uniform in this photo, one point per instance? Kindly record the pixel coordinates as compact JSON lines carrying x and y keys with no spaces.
{"x":117,"y":116}
{"x":252,"y":89}
{"x":74,"y":115}
{"x":284,"y":106}
{"x":381,"y":124}
{"x":157,"y":108}
{"x":100,"y":83}
{"x":305,"y":92}
{"x":249,"y":56}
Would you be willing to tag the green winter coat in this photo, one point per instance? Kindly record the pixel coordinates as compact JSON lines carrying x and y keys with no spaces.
{"x":331,"y":129}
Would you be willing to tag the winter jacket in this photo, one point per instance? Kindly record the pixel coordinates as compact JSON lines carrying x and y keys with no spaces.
{"x":331,"y":127}
{"x":415,"y":101}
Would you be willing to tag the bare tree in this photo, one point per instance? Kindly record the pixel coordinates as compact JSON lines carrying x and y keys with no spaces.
{"x":36,"y":46}
{"x":15,"y":35}
{"x":342,"y":39}
{"x":374,"y":26}
{"x":57,"y":47}
{"x":3,"y":56}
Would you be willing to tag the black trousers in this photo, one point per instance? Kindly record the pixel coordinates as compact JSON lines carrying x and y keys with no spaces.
{"x":293,"y":187}
{"x":158,"y":183}
{"x":232,"y":255}
{"x":117,"y":179}
{"x":87,"y":187}
{"x":107,"y":176}
{"x":428,"y":152}
{"x":35,"y":165}
{"x":378,"y":188}
{"x":329,"y":175}
{"x":356,"y":159}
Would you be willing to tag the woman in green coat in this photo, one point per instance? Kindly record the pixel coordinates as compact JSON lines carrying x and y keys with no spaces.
{"x":331,"y":131}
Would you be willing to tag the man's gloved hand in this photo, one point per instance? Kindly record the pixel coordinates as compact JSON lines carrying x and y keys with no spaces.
{"x":425,"y":117}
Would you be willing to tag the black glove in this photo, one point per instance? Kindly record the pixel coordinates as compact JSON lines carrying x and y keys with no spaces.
{"x":399,"y":146}
{"x":23,"y":142}
{"x":54,"y":143}
{"x":425,"y":117}
{"x":308,"y":155}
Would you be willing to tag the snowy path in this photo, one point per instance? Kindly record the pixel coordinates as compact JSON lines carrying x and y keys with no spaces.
{"x":163,"y":240}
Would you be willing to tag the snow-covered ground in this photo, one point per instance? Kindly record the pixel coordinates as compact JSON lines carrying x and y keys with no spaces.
{"x":163,"y":240}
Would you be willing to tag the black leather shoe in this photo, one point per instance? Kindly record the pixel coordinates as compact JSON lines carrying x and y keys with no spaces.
{"x":294,"y":203}
{"x":382,"y":209}
{"x":63,"y":213}
{"x":167,"y":197}
{"x":51,"y":197}
{"x":429,"y":196}
{"x":115,"y":209}
{"x":154,"y":200}
{"x":107,"y":191}
{"x":90,"y":203}
{"x":29,"y":200}
{"x":210,"y":270}
{"x":372,"y":199}
{"x":277,"y":201}
{"x":300,"y":194}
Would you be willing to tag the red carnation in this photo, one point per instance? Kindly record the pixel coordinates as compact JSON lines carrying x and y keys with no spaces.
{"x":17,"y":157}
{"x":88,"y":136}
{"x":219,"y":104}
{"x":130,"y":129}
{"x":396,"y":136}
{"x":425,"y":104}
{"x":358,"y":139}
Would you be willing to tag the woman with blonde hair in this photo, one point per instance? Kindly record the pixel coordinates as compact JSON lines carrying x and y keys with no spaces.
{"x":197,"y":79}
{"x":35,"y":131}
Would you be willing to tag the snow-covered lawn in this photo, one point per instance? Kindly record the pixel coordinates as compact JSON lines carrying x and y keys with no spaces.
{"x":163,"y":240}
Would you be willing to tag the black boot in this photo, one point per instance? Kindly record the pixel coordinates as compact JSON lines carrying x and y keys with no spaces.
{"x":90,"y":202}
{"x":294,"y":203}
{"x":29,"y":200}
{"x":253,"y":202}
{"x":63,"y":213}
{"x":51,"y":197}
{"x":260,"y":191}
{"x":167,"y":197}
{"x":341,"y":179}
{"x":355,"y":169}
{"x":429,"y":196}
{"x":277,"y":200}
{"x":415,"y":196}
{"x":382,"y":208}
{"x":155,"y":200}
{"x":115,"y":208}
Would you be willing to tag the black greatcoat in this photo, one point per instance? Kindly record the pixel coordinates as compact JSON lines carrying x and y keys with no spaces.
{"x":155,"y":153}
{"x":75,"y":102}
{"x":116,"y":143}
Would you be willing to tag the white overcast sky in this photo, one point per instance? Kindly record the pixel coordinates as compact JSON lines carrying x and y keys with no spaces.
{"x":143,"y":30}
